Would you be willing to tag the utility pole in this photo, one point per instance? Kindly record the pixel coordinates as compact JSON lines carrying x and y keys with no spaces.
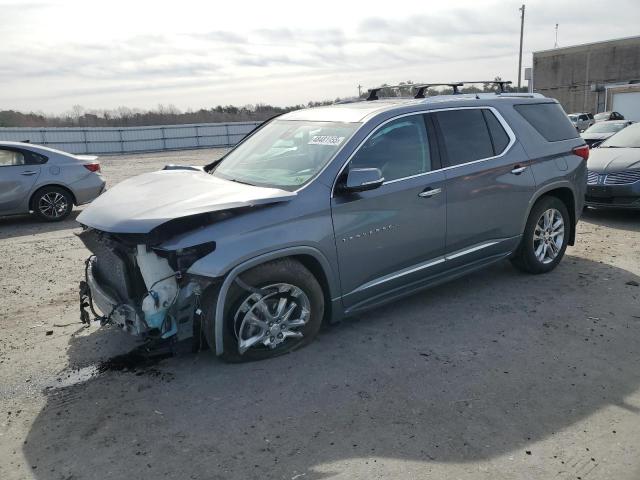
{"x":359,"y":90}
{"x":556,"y":44}
{"x":520,"y":56}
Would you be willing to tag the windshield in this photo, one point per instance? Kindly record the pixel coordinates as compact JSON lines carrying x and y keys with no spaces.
{"x":573,"y":118}
{"x":602,"y":116}
{"x":627,"y":138}
{"x":606,"y":127}
{"x":285,"y":154}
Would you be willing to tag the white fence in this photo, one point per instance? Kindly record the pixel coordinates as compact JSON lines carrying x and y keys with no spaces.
{"x":133,"y":139}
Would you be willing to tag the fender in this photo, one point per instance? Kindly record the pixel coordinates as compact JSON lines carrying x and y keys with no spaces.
{"x":546,"y":188}
{"x":260,"y":259}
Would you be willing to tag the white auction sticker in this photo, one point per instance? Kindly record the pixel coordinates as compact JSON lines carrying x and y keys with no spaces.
{"x":325,"y":140}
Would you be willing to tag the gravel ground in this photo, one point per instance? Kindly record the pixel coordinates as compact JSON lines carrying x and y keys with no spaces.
{"x":498,"y":375}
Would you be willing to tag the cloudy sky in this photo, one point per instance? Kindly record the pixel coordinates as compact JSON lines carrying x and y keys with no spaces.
{"x":105,"y":54}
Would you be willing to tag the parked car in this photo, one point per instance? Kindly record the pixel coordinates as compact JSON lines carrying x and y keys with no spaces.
{"x":328,"y":212}
{"x":597,"y":133}
{"x":614,"y":171}
{"x":605,"y":116}
{"x":45,"y":181}
{"x":581,"y":121}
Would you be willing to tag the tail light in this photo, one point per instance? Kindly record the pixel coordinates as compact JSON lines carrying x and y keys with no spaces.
{"x":582,"y":151}
{"x":92,"y":167}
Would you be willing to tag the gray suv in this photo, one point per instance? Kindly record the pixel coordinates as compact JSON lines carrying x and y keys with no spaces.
{"x":327,"y":212}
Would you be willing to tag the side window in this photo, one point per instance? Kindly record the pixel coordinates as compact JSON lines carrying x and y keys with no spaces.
{"x":583,"y":118}
{"x":498,"y":135}
{"x":9,"y":158}
{"x":399,"y":149}
{"x":466,"y":136}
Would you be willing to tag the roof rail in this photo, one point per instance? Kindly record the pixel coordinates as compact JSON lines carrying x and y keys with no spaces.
{"x":500,"y":83}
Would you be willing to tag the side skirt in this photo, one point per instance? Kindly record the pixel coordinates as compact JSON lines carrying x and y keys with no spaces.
{"x":424,"y":283}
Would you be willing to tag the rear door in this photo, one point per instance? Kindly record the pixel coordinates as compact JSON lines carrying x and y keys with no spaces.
{"x":394,"y":235}
{"x":18,"y":174}
{"x":489,"y":183}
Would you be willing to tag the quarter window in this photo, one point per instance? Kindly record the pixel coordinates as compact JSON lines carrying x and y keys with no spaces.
{"x":466,"y":136}
{"x":498,"y":135}
{"x":10,"y":158}
{"x":399,"y":149}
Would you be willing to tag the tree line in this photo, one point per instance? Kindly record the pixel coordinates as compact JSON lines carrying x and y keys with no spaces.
{"x":78,"y":116}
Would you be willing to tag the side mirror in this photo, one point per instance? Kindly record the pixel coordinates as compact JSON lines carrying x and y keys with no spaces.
{"x":362,"y":179}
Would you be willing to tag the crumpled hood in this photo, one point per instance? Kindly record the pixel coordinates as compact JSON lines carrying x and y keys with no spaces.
{"x":609,"y":160}
{"x":141,"y":203}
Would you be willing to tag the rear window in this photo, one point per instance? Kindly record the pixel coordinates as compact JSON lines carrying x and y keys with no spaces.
{"x":548,"y":119}
{"x":466,"y":136}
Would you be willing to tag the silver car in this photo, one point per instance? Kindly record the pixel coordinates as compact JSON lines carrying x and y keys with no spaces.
{"x":581,"y":121}
{"x":45,"y":181}
{"x":599,"y":132}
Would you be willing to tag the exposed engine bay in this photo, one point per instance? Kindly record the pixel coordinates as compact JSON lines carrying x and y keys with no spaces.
{"x":139,"y":288}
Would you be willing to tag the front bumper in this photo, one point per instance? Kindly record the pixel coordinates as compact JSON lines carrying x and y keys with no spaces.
{"x":614,"y":196}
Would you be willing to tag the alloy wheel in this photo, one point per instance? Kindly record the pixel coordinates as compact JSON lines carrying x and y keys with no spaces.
{"x":548,"y":236}
{"x":52,"y":205}
{"x":267,"y":320}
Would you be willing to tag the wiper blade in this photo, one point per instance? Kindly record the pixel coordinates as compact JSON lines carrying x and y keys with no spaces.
{"x":240,"y":181}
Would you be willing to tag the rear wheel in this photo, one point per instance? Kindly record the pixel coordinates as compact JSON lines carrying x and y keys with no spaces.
{"x":545,"y":237}
{"x":274,"y":308}
{"x":52,"y":204}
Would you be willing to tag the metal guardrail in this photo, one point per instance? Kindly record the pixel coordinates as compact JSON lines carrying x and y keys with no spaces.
{"x":113,"y":140}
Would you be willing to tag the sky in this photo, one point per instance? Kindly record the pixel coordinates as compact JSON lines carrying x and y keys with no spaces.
{"x":199,"y":54}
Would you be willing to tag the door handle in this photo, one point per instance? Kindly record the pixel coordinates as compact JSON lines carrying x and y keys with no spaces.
{"x":518,"y":170}
{"x":430,"y":192}
{"x":28,"y":172}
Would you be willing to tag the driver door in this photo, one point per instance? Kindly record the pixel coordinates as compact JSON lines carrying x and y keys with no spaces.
{"x":394,"y":235}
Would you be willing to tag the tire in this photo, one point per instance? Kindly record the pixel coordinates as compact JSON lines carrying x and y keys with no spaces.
{"x":532,"y":256}
{"x":282,"y":285}
{"x":52,"y":204}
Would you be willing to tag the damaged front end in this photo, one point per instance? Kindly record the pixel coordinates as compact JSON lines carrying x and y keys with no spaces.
{"x":140,"y":288}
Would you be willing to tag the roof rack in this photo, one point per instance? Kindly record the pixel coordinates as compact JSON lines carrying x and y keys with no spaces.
{"x":373,"y":92}
{"x":500,"y":83}
{"x":422,"y":88}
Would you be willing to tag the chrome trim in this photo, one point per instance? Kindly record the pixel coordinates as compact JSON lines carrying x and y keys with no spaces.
{"x":430,"y":193}
{"x":398,"y":274}
{"x":460,"y":253}
{"x":503,"y":122}
{"x":518,"y":170}
{"x":421,"y":266}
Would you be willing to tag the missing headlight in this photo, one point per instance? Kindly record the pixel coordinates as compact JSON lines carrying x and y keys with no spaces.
{"x":181,"y":259}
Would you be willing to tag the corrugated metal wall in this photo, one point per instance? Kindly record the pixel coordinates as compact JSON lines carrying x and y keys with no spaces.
{"x":133,"y":139}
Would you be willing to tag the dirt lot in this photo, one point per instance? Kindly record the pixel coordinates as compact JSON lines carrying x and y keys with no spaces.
{"x":496,"y":375}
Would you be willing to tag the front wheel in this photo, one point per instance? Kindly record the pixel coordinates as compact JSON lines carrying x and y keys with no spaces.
{"x":545,"y":237}
{"x":274,"y":308}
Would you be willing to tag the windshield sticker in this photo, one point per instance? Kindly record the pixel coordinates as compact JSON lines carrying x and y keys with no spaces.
{"x":325,"y":140}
